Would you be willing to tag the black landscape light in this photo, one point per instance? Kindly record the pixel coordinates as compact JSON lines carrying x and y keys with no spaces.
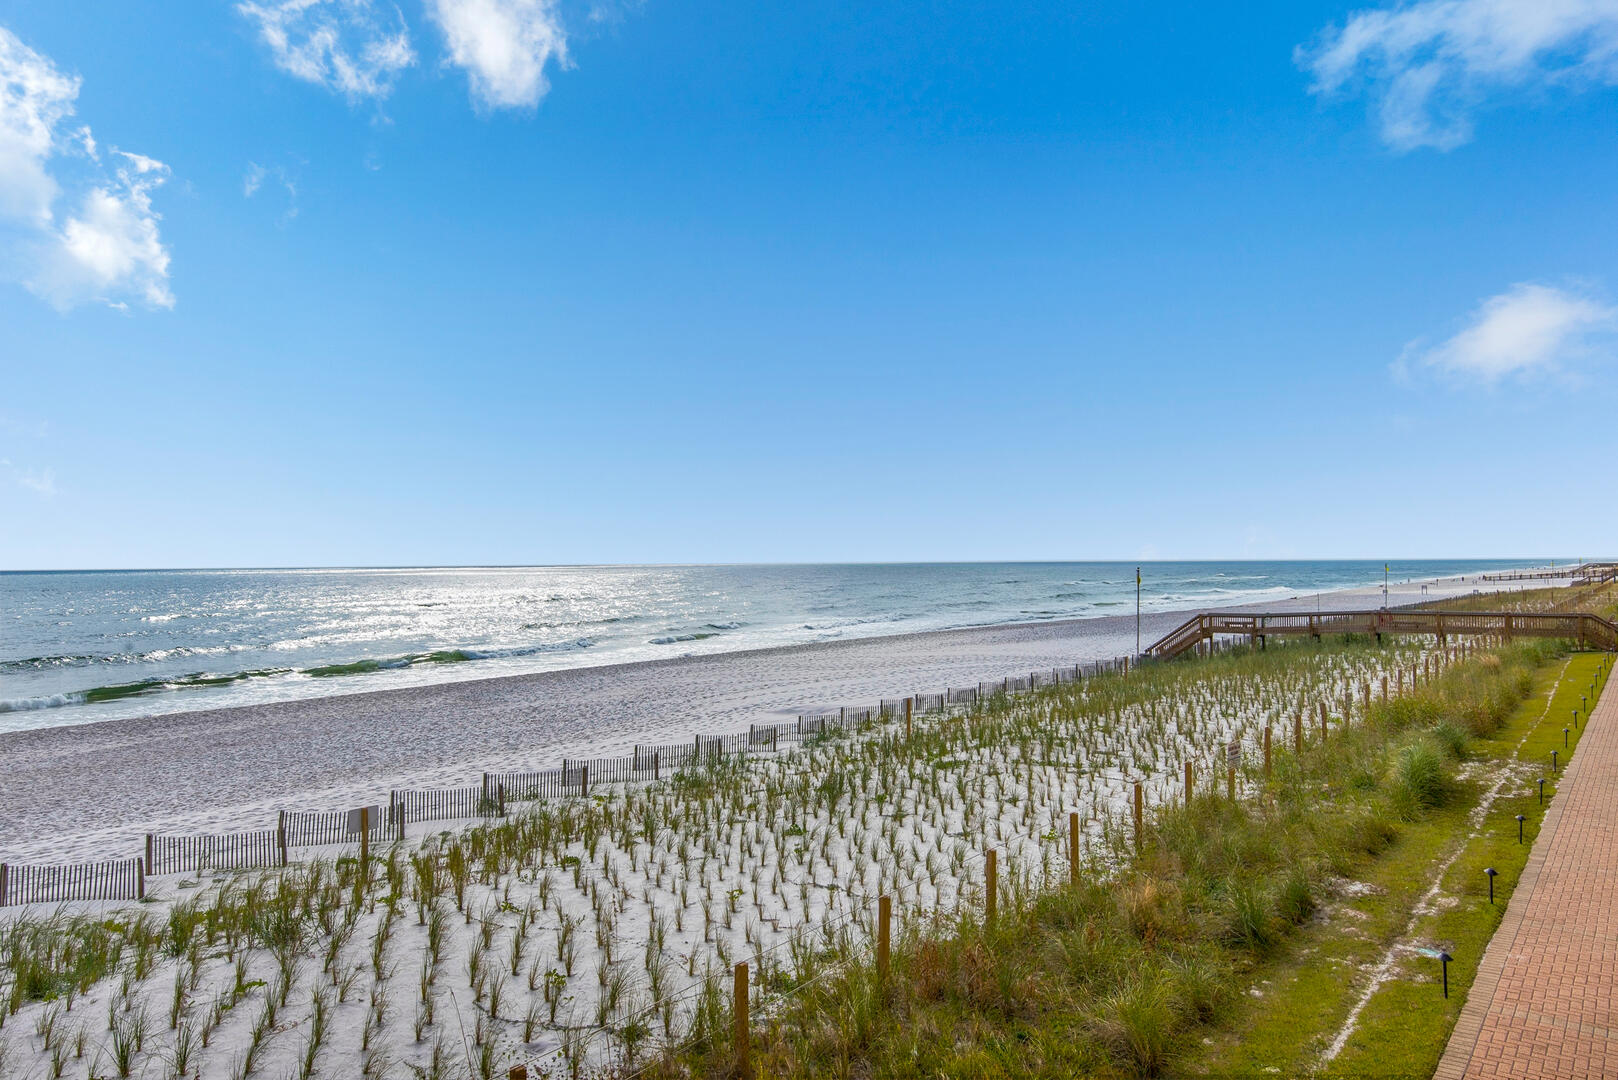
{"x":1443,"y":961}
{"x":1491,"y":871}
{"x":1564,"y":738}
{"x":1553,"y":761}
{"x":1542,"y":791}
{"x":1520,"y":818}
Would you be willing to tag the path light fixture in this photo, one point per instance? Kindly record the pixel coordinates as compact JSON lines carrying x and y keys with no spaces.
{"x":1542,"y":791}
{"x":1564,"y":738}
{"x":1520,"y":821}
{"x":1553,"y":761}
{"x":1443,"y":961}
{"x":1491,"y":871}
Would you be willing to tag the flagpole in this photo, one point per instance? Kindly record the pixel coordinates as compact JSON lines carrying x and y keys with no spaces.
{"x":1137,"y":611}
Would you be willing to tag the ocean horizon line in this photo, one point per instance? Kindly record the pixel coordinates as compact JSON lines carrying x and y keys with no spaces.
{"x":1528,"y":560}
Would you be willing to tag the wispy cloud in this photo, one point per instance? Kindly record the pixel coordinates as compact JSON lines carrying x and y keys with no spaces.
{"x":253,"y":180}
{"x":351,"y":47}
{"x":1429,"y":66}
{"x":1526,"y":329}
{"x":41,"y":482}
{"x":504,"y":46}
{"x":105,"y":245}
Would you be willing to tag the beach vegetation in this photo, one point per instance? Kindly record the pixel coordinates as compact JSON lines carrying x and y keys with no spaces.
{"x":603,"y":929}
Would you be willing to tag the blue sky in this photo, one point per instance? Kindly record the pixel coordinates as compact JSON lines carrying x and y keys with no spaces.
{"x":315,"y":282}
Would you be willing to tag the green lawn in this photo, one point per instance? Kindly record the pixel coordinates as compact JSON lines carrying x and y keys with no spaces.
{"x":1297,"y":1003}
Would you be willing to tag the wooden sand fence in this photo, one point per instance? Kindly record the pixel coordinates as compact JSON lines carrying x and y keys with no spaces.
{"x":220,"y":851}
{"x":118,"y":879}
{"x":125,"y":879}
{"x":444,"y":804}
{"x":323,"y":828}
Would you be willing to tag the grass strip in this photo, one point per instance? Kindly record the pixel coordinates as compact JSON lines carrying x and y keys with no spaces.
{"x":1298,"y":1002}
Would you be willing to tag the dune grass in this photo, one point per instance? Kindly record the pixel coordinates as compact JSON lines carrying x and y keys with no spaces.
{"x":1125,"y":974}
{"x":597,"y":933}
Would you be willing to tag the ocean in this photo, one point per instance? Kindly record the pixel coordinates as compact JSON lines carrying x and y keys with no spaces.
{"x":77,"y":647}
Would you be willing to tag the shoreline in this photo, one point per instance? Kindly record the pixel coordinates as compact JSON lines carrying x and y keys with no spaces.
{"x":223,"y":769}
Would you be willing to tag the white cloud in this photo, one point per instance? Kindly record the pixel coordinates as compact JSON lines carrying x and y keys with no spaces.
{"x":107,"y":247}
{"x":344,"y":45}
{"x":39,"y":481}
{"x":43,"y":482}
{"x":34,"y":99}
{"x":253,"y":181}
{"x":1528,"y":328}
{"x":1428,"y":65}
{"x":504,"y":46}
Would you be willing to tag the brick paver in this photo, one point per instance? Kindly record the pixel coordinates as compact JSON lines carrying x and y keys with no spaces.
{"x":1542,"y":1004}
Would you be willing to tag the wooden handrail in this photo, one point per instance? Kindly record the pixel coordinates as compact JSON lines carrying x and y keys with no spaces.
{"x":1584,"y":627}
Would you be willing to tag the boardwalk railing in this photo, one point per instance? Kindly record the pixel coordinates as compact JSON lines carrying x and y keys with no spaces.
{"x":1578,"y":573}
{"x":1582,"y":627}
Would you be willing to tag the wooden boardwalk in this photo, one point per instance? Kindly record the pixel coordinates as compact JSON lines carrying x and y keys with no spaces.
{"x":1544,"y":1001}
{"x":1582,"y":627}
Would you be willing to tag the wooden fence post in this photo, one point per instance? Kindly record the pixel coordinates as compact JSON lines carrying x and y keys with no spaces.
{"x":990,"y":873}
{"x":1230,"y":781}
{"x":584,"y":781}
{"x":1266,"y":751}
{"x":148,"y":853}
{"x":140,"y":881}
{"x":1138,"y":815}
{"x":884,"y":919}
{"x":908,"y":703}
{"x":743,"y":1032}
{"x":5,"y":882}
{"x":657,"y":763}
{"x":1073,"y":847}
{"x":365,"y":843}
{"x":281,"y":834}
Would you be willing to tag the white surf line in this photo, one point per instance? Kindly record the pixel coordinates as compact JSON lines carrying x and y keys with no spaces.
{"x":1384,"y":969}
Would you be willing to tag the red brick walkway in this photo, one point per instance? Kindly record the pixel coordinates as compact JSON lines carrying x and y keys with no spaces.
{"x":1543,"y":1002}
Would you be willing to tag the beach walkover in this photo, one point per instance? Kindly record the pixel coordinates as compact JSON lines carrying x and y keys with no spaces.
{"x":1543,"y":1004}
{"x":1210,"y":626}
